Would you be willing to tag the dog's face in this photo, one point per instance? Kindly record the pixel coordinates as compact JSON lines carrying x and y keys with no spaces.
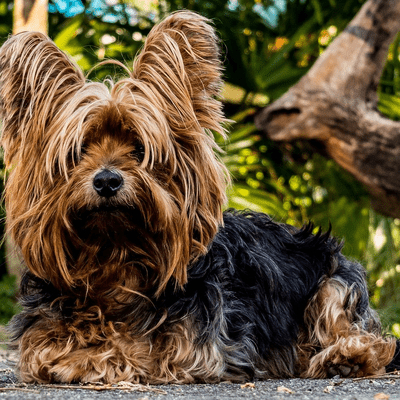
{"x":109,"y":181}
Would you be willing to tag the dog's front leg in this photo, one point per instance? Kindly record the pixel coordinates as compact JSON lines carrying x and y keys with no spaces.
{"x":54,"y":351}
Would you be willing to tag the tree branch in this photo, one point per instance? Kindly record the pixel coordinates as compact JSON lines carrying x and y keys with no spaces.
{"x":335,"y":103}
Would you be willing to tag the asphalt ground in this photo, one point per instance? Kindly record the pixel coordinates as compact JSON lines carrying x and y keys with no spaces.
{"x":271,"y":389}
{"x":377,"y":388}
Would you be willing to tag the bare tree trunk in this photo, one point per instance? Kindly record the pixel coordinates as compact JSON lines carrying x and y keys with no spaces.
{"x":29,"y":15}
{"x":335,"y":105}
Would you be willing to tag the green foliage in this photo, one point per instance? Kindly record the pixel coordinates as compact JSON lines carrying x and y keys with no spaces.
{"x":295,"y":185}
{"x":8,"y":293}
{"x":267,"y":57}
{"x":5,"y":19}
{"x":90,"y":40}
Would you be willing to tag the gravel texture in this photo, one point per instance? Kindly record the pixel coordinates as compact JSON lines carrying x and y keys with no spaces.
{"x":385,"y":387}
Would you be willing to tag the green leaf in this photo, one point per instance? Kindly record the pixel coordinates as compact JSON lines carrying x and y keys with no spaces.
{"x":63,"y":39}
{"x":389,"y":105}
{"x":243,"y":197}
{"x":318,"y":11}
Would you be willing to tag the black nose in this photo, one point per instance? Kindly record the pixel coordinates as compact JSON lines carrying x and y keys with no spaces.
{"x":107,"y":183}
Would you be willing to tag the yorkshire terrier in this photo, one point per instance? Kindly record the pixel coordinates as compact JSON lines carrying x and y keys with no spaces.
{"x":114,"y":197}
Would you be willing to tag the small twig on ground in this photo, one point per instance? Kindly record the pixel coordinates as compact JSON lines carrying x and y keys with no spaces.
{"x":99,"y":387}
{"x":5,"y":389}
{"x":388,"y":375}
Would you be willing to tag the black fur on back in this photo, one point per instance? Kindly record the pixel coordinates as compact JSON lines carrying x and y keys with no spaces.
{"x":247,"y":295}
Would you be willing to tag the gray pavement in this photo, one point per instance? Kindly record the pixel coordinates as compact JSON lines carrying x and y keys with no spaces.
{"x":382,"y":388}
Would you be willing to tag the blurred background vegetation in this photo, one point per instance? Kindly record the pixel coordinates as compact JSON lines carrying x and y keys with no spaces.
{"x":268,"y":45}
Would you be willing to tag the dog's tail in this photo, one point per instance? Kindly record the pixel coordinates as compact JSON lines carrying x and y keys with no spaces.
{"x":395,"y":363}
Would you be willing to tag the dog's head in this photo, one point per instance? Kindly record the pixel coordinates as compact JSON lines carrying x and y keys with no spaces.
{"x":107,"y":179}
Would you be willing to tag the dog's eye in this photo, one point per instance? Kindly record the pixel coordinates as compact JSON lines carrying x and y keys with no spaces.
{"x":77,"y":156}
{"x":138,"y":152}
{"x":83,"y":149}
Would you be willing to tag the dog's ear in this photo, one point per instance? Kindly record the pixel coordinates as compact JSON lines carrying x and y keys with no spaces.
{"x":35,"y":80}
{"x":180,"y":63}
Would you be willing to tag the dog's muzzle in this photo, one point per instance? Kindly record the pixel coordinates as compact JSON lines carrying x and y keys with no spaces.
{"x":107,"y":183}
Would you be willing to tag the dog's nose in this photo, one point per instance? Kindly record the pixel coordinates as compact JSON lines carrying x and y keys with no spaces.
{"x":107,"y":183}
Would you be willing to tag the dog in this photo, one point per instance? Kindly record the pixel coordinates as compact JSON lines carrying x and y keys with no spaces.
{"x":114,"y":197}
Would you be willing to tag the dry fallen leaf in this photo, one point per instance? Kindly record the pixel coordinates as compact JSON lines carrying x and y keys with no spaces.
{"x":284,"y":389}
{"x":381,"y":396}
{"x":248,"y":385}
{"x":329,"y":389}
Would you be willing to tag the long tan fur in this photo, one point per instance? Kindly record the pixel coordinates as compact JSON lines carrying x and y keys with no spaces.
{"x":166,"y":104}
{"x":105,"y":297}
{"x":335,"y":342}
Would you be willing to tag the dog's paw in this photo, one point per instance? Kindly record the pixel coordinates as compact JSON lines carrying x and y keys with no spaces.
{"x":342,"y":370}
{"x":352,"y":356}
